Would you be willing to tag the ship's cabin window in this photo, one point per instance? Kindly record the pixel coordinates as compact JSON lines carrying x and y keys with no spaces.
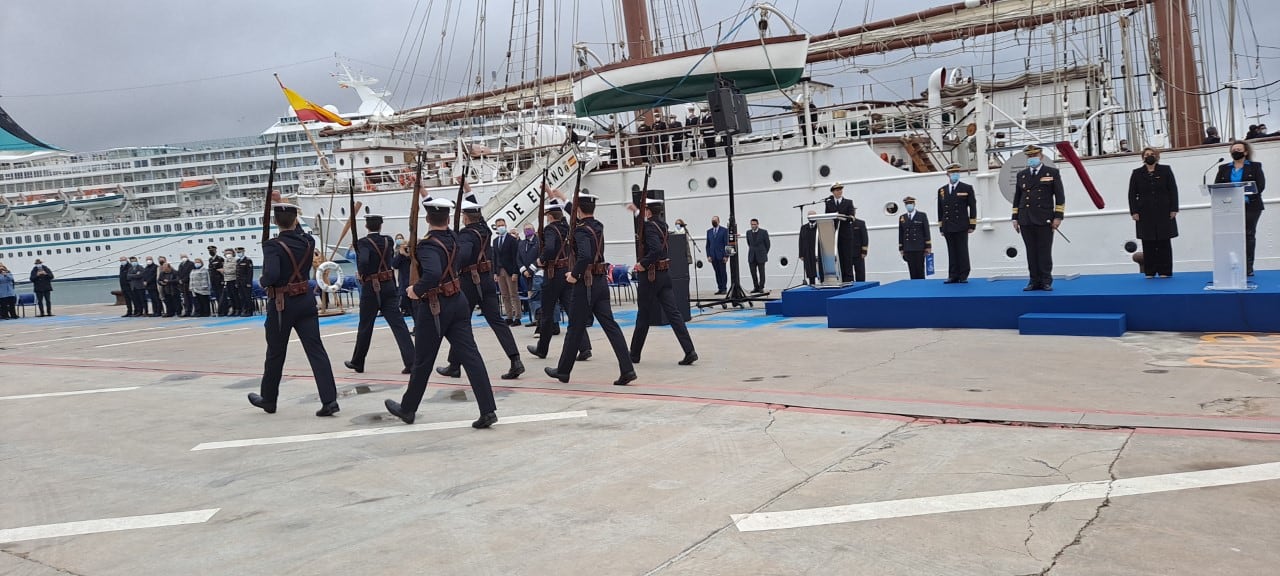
{"x":366,"y":160}
{"x":76,"y":234}
{"x":186,"y":225}
{"x":47,"y":238}
{"x":59,"y":250}
{"x":116,"y":231}
{"x":8,"y":241}
{"x":29,"y":252}
{"x":108,"y":248}
{"x":28,"y":241}
{"x":146,"y":229}
{"x":388,"y":159}
{"x":222,"y":224}
{"x":137,"y":230}
{"x":199,"y":225}
{"x":77,"y":250}
{"x":97,"y":234}
{"x":240,"y":222}
{"x":209,"y":224}
{"x":168,"y":228}
{"x":97,"y":247}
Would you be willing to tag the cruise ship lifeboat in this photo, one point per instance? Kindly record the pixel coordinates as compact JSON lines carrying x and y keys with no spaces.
{"x":197,"y":186}
{"x":37,"y":205}
{"x":97,"y":200}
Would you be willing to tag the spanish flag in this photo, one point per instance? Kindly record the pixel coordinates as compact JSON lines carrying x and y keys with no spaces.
{"x":308,"y":112}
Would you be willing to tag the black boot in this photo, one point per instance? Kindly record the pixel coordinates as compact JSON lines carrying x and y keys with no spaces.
{"x":257,"y":400}
{"x":517,"y":368}
{"x":485,"y":420}
{"x":451,"y":371}
{"x":396,"y":410}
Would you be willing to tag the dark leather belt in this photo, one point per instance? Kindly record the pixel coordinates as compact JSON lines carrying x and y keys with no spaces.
{"x":664,"y":264}
{"x":560,"y":264}
{"x":447,"y":289}
{"x":382,"y":276}
{"x":279,"y":293}
{"x":598,"y":269}
{"x":476,"y":269}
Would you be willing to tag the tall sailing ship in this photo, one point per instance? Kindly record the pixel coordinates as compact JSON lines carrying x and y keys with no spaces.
{"x":1095,"y":75}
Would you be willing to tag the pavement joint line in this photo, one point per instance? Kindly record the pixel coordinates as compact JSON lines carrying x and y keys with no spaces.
{"x":398,"y":429}
{"x":82,"y":336}
{"x":105,"y":525}
{"x":174,"y":337}
{"x":1072,"y":492}
{"x":70,"y":393}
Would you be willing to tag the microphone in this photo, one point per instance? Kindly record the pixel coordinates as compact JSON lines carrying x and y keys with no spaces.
{"x":1204,"y":178}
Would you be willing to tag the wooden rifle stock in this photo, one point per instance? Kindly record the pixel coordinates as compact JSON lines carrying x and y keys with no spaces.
{"x":416,"y":203}
{"x":640,"y":202}
{"x":457,"y":207}
{"x":573,"y":216}
{"x":542,"y":210}
{"x":266,"y":202}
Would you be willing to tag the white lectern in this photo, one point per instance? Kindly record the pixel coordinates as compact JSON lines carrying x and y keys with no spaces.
{"x":828,"y":264}
{"x":1227,"y":211}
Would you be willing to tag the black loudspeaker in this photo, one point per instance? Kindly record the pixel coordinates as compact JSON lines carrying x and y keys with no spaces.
{"x":728,"y":107}
{"x":678,"y":252}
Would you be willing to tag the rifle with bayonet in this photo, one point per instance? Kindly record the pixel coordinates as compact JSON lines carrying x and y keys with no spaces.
{"x":266,"y":202}
{"x":640,"y":200}
{"x":415,"y":203}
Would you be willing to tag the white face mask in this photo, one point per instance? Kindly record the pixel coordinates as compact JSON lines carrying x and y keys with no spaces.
{"x":184,"y":258}
{"x":150,"y":262}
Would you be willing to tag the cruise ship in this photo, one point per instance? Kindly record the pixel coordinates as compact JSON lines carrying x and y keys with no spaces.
{"x":79,"y":212}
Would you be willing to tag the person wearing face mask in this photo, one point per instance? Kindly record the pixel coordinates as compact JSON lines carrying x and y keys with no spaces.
{"x":215,"y":262}
{"x":138,"y":286}
{"x":846,"y":247}
{"x":718,"y":253}
{"x":125,"y":290}
{"x":527,"y":257}
{"x":957,"y":219}
{"x":199,"y":284}
{"x":1038,"y":206}
{"x":8,"y":295}
{"x":809,"y":249}
{"x":167,"y":280}
{"x":1153,"y":205}
{"x":402,"y":261}
{"x":913,"y":238}
{"x":244,"y":282}
{"x":150,"y":274}
{"x":507,"y":271}
{"x":42,"y":284}
{"x":1243,"y":168}
{"x":229,"y":304}
{"x":184,"y":286}
{"x":757,"y":254}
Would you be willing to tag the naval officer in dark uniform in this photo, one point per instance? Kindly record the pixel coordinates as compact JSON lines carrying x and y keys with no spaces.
{"x":654,"y":287}
{"x":554,"y":261}
{"x":1038,"y":204}
{"x":286,"y":266}
{"x":442,"y":312}
{"x":590,"y":282}
{"x":378,"y":294}
{"x":845,"y":245}
{"x":957,"y":219}
{"x":480,"y":289}
{"x":913,"y":238}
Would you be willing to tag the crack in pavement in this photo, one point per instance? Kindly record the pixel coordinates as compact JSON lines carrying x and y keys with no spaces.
{"x":774,"y":418}
{"x":892,"y":356}
{"x":698,"y":544}
{"x":1031,"y":533}
{"x":26,"y":558}
{"x":1097,"y":512}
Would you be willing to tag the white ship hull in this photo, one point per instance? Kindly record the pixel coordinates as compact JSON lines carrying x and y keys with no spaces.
{"x":1098,"y":237}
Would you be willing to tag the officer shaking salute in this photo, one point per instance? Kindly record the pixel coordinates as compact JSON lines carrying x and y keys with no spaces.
{"x":913,"y":238}
{"x":655,"y":287}
{"x":480,"y":289}
{"x":378,"y":294}
{"x":555,"y":262}
{"x":957,"y":219}
{"x":590,"y":296}
{"x":286,"y":265}
{"x":442,"y":312}
{"x":1038,"y":204}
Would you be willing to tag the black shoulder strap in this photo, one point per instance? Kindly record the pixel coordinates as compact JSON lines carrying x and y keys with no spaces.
{"x":296,"y":276}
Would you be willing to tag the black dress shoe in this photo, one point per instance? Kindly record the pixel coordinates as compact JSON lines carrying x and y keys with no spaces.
{"x":534,"y":350}
{"x":352,"y":366}
{"x":328,"y":409}
{"x":452,"y":371}
{"x":1047,"y":287}
{"x":407,"y":370}
{"x":963,"y":280}
{"x":584,"y":355}
{"x":556,"y":331}
{"x":949,"y":281}
{"x":396,"y":410}
{"x":1031,"y":287}
{"x":563,"y":378}
{"x":689,"y":359}
{"x":625,"y":379}
{"x":257,"y":400}
{"x":485,"y":420}
{"x":531,"y":325}
{"x":635,"y":358}
{"x":718,"y":292}
{"x":517,"y":368}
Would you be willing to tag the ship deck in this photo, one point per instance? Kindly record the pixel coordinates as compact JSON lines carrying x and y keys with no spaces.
{"x":129,"y":448}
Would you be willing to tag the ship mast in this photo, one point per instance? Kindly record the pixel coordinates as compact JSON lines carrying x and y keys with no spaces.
{"x":1177,"y":73}
{"x":635,"y":16}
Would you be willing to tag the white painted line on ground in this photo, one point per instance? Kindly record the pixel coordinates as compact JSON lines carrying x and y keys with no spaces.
{"x":105,"y":525}
{"x":295,"y":340}
{"x":71,"y":393}
{"x":174,"y":337}
{"x":1004,"y":498}
{"x":504,"y":420}
{"x":151,"y":329}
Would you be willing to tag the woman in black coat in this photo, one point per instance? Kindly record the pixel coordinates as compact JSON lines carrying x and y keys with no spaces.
{"x":1153,"y":204}
{"x":1244,"y":169}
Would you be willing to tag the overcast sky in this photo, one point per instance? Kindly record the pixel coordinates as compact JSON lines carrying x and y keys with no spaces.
{"x":92,"y":75}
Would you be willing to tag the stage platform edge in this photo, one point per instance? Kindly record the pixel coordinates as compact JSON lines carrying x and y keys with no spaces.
{"x":812,"y":301}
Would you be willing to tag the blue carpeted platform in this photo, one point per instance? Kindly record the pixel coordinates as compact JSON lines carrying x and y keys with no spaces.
{"x":1063,"y":324}
{"x":1178,"y":304}
{"x":810,"y":301}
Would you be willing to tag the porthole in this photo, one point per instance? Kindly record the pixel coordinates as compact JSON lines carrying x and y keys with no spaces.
{"x":342,"y":161}
{"x":1131,"y":246}
{"x":693,"y":184}
{"x":343,"y":210}
{"x":891,"y":208}
{"x":777,"y":175}
{"x":635,"y":188}
{"x":711,"y":182}
{"x":824,"y":171}
{"x":366,"y":209}
{"x":1011,"y":252}
{"x":366,"y":160}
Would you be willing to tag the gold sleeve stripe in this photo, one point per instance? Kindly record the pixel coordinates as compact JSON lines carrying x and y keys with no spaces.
{"x":1060,"y":208}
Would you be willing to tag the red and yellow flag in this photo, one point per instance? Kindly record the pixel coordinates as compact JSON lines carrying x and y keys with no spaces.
{"x":309,"y":112}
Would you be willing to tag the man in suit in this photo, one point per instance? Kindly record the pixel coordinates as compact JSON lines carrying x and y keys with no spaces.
{"x":957,"y":219}
{"x":125,"y":290}
{"x":506,"y":249}
{"x":757,"y":254}
{"x":913,"y":238}
{"x":809,"y":249}
{"x":845,"y":247}
{"x":1038,"y":204}
{"x":184,"y":282}
{"x":718,"y":254}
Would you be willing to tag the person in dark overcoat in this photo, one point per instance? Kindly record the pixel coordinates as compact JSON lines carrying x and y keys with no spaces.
{"x":1153,"y":205}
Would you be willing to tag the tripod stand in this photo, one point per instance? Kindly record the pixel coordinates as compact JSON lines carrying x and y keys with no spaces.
{"x":735,"y":296}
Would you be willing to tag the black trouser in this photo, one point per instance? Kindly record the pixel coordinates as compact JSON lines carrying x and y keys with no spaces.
{"x":455,"y":326}
{"x":487,"y":299}
{"x":588,"y":303}
{"x":845,"y":251}
{"x":406,"y":305}
{"x":153,"y":294}
{"x":202,"y":305}
{"x":555,"y":292}
{"x":188,"y":303}
{"x":860,"y":268}
{"x":127,"y":293}
{"x":810,"y":269}
{"x":652,"y":295}
{"x":230,"y":299}
{"x":1157,"y":257}
{"x":1250,"y":236}
{"x":388,"y":303}
{"x":9,"y":307}
{"x":172,"y":302}
{"x":757,"y":274}
{"x":247,"y":307}
{"x":139,"y":296}
{"x":957,"y":255}
{"x":299,"y":315}
{"x":1038,"y":240}
{"x":915,"y":263}
{"x":43,"y":302}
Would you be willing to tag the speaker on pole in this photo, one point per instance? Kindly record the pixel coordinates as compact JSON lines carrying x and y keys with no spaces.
{"x":728,"y":107}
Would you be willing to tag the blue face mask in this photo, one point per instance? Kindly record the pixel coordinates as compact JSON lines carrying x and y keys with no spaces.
{"x":911,"y":208}
{"x":955,"y":178}
{"x":1033,"y":162}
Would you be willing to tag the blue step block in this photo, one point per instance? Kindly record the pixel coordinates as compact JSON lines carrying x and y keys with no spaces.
{"x":1066,"y":324}
{"x":773,"y":307}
